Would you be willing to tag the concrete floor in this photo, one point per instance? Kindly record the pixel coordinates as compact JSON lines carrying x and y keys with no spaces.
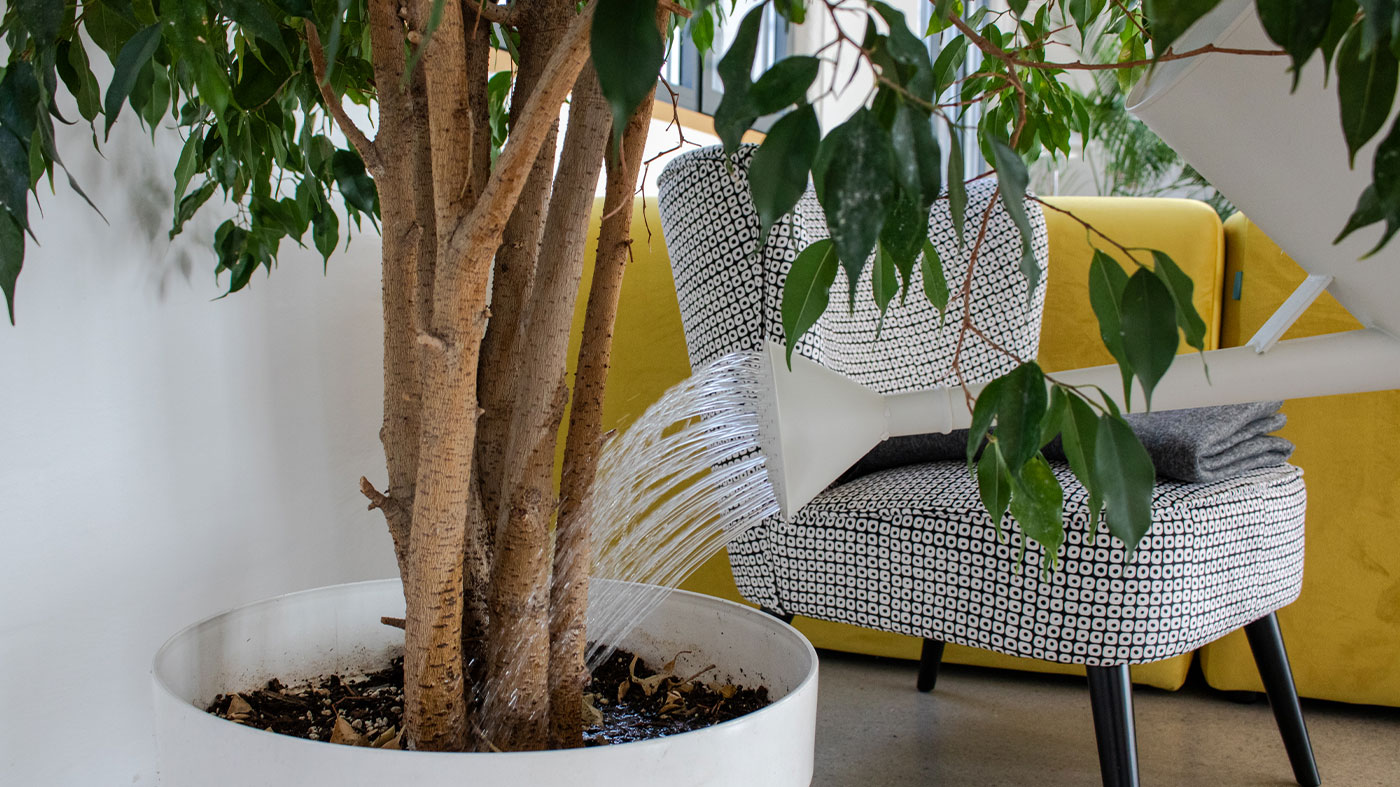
{"x":991,"y":727}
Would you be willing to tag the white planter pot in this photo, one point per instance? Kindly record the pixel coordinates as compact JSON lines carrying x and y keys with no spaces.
{"x":302,"y":635}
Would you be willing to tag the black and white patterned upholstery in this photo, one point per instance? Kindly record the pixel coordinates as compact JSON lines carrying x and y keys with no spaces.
{"x":911,"y":550}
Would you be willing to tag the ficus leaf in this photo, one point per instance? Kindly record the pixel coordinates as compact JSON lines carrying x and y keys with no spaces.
{"x":257,"y":20}
{"x":14,"y":178}
{"x":1020,"y":408}
{"x":1037,"y":504}
{"x":325,"y":231}
{"x":1078,"y":435}
{"x":1013,"y":179}
{"x":1054,"y":415}
{"x":957,"y":188}
{"x":735,"y":112}
{"x":1180,"y":287}
{"x":784,"y":83}
{"x":994,"y":484}
{"x":806,"y":292}
{"x":135,"y":55}
{"x":1106,"y":283}
{"x":42,"y":18}
{"x":778,"y":173}
{"x":11,"y":259}
{"x":1365,"y":89}
{"x":1343,"y":14}
{"x":1296,"y":25}
{"x":884,"y":283}
{"x":355,"y":185}
{"x":1124,"y":474}
{"x":855,"y":185}
{"x":1149,"y":329}
{"x":983,"y":411}
{"x":627,"y":52}
{"x":1168,"y":19}
{"x":935,"y":280}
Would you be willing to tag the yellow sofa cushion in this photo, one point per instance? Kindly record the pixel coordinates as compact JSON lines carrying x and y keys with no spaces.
{"x":649,"y":356}
{"x":1343,"y":633}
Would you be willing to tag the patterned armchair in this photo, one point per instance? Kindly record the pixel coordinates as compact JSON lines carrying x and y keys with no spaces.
{"x":911,"y":549}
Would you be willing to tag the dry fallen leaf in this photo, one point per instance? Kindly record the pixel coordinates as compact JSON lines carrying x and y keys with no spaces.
{"x":592,"y":717}
{"x":344,"y":733}
{"x":237,"y":706}
{"x":622,"y":689}
{"x":385,"y":739}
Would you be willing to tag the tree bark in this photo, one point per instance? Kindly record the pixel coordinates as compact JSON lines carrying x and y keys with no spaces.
{"x":573,"y":552}
{"x":520,"y":583}
{"x":467,"y":237}
{"x":542,"y":26}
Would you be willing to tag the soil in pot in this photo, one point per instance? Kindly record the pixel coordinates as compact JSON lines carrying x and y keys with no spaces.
{"x":627,"y":700}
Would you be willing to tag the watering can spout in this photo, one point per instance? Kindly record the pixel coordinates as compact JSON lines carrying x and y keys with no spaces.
{"x":815,"y":423}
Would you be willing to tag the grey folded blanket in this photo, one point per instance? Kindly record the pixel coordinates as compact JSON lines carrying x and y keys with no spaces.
{"x":1201,"y":444}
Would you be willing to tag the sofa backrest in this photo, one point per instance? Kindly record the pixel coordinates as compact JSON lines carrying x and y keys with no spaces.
{"x":730,"y":293}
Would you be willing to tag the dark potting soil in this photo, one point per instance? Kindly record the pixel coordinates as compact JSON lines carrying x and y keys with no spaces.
{"x":627,"y":700}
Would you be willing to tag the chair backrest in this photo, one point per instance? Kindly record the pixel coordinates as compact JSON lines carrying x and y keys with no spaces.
{"x":730,"y":296}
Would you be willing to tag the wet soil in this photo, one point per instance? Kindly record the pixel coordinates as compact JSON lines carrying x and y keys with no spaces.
{"x":626,"y":700}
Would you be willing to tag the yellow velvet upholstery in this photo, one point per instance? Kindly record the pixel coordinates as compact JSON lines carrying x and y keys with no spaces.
{"x":1343,"y":633}
{"x":649,"y":356}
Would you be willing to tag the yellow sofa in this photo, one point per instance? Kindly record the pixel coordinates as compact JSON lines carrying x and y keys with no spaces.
{"x":649,"y":356}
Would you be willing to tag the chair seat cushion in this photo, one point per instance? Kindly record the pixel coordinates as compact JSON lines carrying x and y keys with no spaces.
{"x":911,"y":550}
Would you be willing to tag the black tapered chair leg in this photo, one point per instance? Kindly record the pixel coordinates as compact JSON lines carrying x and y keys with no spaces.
{"x":929,"y":660}
{"x":1266,"y":641}
{"x":786,"y":618}
{"x":1111,"y":694}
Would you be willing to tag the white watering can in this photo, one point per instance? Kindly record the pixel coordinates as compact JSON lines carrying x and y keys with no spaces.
{"x":1276,"y":154}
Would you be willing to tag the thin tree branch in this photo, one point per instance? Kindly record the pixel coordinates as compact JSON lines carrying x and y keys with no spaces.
{"x":487,"y":11}
{"x":352,"y":132}
{"x":1088,"y":227}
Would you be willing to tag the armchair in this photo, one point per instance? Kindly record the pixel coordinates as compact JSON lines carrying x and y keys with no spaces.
{"x":910,"y":549}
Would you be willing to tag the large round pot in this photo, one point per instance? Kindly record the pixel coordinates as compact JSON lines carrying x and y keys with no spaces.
{"x":305,"y":634}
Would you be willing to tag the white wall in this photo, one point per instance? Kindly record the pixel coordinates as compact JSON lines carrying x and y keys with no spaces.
{"x":163,"y":457}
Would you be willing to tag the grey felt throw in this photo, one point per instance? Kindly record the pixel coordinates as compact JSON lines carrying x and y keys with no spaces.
{"x":1202,"y":444}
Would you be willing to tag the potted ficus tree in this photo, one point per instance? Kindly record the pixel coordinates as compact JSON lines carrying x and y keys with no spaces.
{"x":483,"y":240}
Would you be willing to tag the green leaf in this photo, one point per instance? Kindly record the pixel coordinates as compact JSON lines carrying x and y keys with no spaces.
{"x":134,"y":56}
{"x":1180,"y":287}
{"x":1381,"y":19}
{"x":735,"y":112}
{"x":1078,"y":434}
{"x":1084,"y":12}
{"x":1126,"y":477}
{"x":1038,"y":505}
{"x":1013,"y":179}
{"x":355,"y":185}
{"x":1106,"y":284}
{"x":42,"y":18}
{"x":1343,"y":14}
{"x":185,"y":166}
{"x":807,"y":291}
{"x":945,"y":68}
{"x":1018,"y":7}
{"x":1149,"y":329}
{"x":258,"y":22}
{"x":994,"y":484}
{"x":1168,"y":19}
{"x":78,"y":77}
{"x":1296,"y":25}
{"x":19,"y":100}
{"x":855,"y":185}
{"x":702,"y":30}
{"x":983,"y":411}
{"x":325,"y":231}
{"x":884,"y":282}
{"x":627,"y":53}
{"x":1365,"y":89}
{"x":957,"y":187}
{"x":1380,"y":201}
{"x":1054,"y":415}
{"x":189,"y":205}
{"x":14,"y":178}
{"x":11,"y":258}
{"x":905,"y":230}
{"x":778,"y":173}
{"x":1020,"y":408}
{"x":259,"y":83}
{"x":935,"y":281}
{"x":785,"y":83}
{"x":301,"y":8}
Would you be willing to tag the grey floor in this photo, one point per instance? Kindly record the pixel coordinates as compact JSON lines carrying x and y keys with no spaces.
{"x":990,"y":727}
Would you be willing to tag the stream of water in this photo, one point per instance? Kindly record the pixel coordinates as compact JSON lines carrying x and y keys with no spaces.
{"x":680,"y":483}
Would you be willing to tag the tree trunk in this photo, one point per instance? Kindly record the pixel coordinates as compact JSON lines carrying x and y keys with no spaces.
{"x":519,"y":668}
{"x":572,"y":548}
